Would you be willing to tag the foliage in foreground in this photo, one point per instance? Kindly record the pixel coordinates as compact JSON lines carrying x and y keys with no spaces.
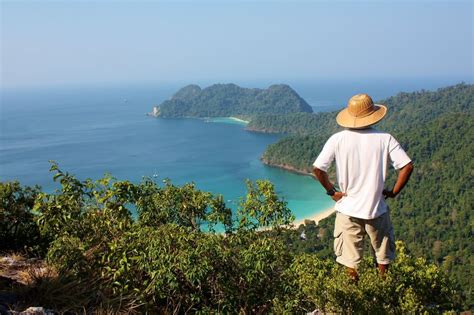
{"x":18,"y":230}
{"x":169,"y":260}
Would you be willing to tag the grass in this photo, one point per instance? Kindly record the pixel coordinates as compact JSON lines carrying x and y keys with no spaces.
{"x":35,"y":283}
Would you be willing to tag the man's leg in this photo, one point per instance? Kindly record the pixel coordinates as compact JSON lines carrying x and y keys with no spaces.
{"x":383,"y":269}
{"x":353,"y":273}
{"x":349,"y":242}
{"x":380,"y":231}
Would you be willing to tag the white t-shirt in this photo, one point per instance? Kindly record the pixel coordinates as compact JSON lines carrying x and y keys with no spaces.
{"x":361,"y":164}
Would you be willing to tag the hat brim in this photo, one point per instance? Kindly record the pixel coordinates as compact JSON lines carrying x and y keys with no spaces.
{"x":346,"y":120}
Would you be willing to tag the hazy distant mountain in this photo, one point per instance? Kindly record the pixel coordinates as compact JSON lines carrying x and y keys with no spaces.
{"x":223,"y":100}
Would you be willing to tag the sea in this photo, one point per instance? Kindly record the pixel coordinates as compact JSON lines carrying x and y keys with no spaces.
{"x":93,"y":130}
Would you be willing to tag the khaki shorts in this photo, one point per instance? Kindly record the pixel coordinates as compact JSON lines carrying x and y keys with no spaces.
{"x":349,"y":235}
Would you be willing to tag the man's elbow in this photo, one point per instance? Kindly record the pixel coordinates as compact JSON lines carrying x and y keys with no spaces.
{"x":318,"y":172}
{"x":408,"y":168}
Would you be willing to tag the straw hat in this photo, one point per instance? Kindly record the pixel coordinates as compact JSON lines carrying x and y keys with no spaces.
{"x":361,"y":112}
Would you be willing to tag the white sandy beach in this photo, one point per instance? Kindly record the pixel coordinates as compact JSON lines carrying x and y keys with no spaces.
{"x":238,"y":119}
{"x":316,"y":217}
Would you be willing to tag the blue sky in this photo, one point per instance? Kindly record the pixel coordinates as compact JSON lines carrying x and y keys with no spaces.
{"x":78,"y":42}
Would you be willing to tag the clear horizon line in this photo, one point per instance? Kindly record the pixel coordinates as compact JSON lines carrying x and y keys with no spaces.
{"x":205,"y":82}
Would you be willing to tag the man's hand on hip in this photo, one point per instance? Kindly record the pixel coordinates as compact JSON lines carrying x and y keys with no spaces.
{"x":388,"y":194}
{"x":338,"y":196}
{"x":403,"y":177}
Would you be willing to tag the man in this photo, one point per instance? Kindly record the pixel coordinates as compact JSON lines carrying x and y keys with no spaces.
{"x":362,"y":154}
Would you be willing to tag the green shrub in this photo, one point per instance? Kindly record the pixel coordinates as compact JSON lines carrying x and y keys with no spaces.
{"x":165,"y":260}
{"x":410,"y":286}
{"x":68,"y":255}
{"x":18,"y":230}
{"x":185,"y":206}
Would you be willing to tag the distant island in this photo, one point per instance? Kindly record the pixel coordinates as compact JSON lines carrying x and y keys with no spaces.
{"x":231,"y":100}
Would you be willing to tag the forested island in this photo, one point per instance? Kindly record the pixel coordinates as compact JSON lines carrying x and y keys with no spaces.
{"x":225,"y":100}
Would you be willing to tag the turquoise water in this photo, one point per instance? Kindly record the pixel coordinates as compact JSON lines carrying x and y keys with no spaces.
{"x":93,"y":131}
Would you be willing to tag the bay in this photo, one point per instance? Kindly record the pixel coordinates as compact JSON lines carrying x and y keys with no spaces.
{"x":93,"y":131}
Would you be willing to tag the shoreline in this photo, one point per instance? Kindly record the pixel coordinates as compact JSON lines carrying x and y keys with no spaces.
{"x":296,"y":224}
{"x":267,"y":131}
{"x":287,"y":167}
{"x":315,"y":217}
{"x":239,"y":120}
{"x":206,"y":119}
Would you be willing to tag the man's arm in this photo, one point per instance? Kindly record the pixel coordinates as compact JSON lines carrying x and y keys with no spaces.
{"x":323,"y":178}
{"x":402,"y":180}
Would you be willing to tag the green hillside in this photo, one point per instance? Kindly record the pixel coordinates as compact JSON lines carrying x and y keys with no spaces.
{"x":294,"y":123}
{"x":224,"y":100}
{"x":433,"y":215}
{"x":406,"y":110}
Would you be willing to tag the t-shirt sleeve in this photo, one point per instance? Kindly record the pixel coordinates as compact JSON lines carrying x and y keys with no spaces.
{"x":398,"y":156}
{"x":325,"y":158}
